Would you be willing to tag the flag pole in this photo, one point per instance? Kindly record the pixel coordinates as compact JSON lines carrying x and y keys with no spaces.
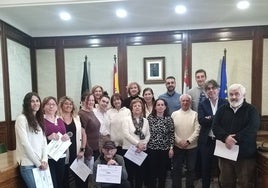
{"x":186,"y":78}
{"x":223,"y":81}
{"x":115,"y":77}
{"x":85,"y":80}
{"x":85,"y":58}
{"x":115,"y":59}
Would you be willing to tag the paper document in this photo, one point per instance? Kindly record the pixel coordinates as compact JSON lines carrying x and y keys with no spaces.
{"x":80,"y":169}
{"x":42,"y":178}
{"x":90,"y":164}
{"x":56,"y":148}
{"x":109,"y":174}
{"x":222,"y":151}
{"x":134,"y":156}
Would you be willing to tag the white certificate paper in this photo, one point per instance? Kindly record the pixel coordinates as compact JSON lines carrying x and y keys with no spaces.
{"x":134,"y":156}
{"x":222,"y":151}
{"x":56,"y":148}
{"x":80,"y":169}
{"x":109,"y":174}
{"x":42,"y":178}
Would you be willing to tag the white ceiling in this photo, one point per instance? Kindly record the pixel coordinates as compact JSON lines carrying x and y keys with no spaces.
{"x":91,"y":17}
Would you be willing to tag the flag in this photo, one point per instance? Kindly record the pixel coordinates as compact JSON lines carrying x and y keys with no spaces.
{"x":115,"y":80}
{"x":223,"y":81}
{"x":186,"y":80}
{"x":85,"y":82}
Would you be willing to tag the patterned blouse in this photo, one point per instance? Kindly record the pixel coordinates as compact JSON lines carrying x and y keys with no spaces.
{"x":162,"y":132}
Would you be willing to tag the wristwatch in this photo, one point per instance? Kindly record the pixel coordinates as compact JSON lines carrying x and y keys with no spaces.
{"x":82,"y":149}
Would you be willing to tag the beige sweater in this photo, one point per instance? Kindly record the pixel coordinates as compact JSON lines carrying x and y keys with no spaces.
{"x":186,"y":127}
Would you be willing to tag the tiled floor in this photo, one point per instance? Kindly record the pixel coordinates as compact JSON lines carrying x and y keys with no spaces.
{"x":198,"y":183}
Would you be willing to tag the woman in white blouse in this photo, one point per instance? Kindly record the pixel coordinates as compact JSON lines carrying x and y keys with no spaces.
{"x":116,"y":115}
{"x":31,"y":142}
{"x":136,"y":132}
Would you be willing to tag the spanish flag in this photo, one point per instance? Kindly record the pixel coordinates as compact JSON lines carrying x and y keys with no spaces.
{"x":115,"y":79}
{"x":186,"y":79}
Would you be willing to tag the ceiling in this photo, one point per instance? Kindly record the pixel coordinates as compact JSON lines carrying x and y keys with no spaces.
{"x":39,"y":18}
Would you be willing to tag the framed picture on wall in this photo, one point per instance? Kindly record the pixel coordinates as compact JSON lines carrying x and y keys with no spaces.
{"x":154,"y":70}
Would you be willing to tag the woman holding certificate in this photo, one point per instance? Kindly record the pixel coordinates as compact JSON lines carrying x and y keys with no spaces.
{"x":78,"y":137}
{"x":136,"y":133}
{"x":31,"y":144}
{"x":54,"y":125}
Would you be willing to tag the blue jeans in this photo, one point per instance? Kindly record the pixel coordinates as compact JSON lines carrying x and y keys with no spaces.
{"x":27,"y":175}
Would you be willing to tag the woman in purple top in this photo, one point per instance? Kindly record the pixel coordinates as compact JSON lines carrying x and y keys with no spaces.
{"x":53,"y":125}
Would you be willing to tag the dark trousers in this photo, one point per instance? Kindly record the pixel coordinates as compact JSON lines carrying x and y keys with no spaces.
{"x":208,"y":161}
{"x":57,"y":170}
{"x":189,"y":157}
{"x":158,"y":163}
{"x":71,"y":178}
{"x":237,"y":174}
{"x":135,"y":173}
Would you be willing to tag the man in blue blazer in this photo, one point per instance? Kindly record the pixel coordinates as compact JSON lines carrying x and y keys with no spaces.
{"x":206,"y":111}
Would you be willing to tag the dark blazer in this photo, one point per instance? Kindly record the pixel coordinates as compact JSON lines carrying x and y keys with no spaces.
{"x":204,"y":109}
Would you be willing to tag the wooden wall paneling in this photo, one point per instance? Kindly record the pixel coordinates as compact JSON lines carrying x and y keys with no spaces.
{"x":257,"y":64}
{"x":91,"y":41}
{"x":264,"y":119}
{"x":264,"y":123}
{"x":122,"y":67}
{"x":8,"y":139}
{"x":154,"y":38}
{"x":151,"y":38}
{"x":186,"y":57}
{"x":44,"y":42}
{"x":265,"y":31}
{"x":34,"y":69}
{"x":243,"y":33}
{"x":61,"y":85}
{"x":17,"y":35}
{"x":123,"y":40}
{"x":213,"y":35}
{"x":3,"y":133}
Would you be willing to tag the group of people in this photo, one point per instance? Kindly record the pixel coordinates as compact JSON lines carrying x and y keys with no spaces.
{"x":177,"y":131}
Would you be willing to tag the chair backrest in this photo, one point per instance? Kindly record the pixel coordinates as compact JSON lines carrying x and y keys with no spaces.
{"x":3,"y":148}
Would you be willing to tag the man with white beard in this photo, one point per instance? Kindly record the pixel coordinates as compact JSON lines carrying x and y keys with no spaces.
{"x":237,"y":123}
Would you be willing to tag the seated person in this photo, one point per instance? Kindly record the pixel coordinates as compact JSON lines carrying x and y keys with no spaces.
{"x":108,"y":156}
